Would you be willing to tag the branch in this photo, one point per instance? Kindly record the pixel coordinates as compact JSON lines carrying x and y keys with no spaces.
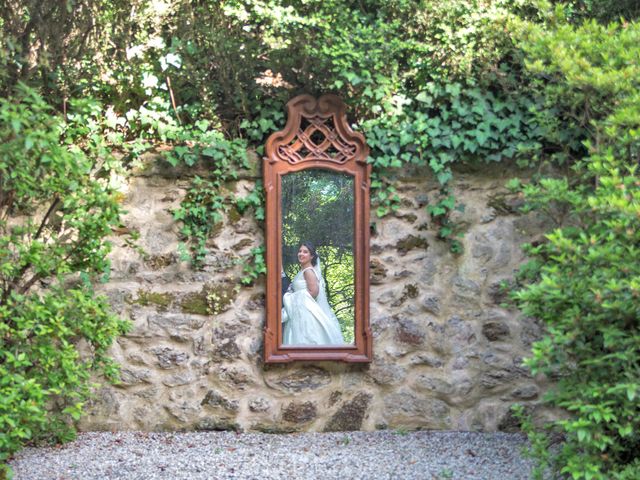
{"x":5,"y":201}
{"x":173,"y":99}
{"x":29,"y":283}
{"x":348,"y":307}
{"x":52,"y":208}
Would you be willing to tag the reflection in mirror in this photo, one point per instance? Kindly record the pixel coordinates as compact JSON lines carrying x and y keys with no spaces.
{"x":318,"y":218}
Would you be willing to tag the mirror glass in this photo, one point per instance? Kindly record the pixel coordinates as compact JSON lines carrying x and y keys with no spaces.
{"x":317,"y":208}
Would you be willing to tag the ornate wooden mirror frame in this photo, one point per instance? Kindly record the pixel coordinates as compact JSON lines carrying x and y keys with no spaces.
{"x":317,"y":136}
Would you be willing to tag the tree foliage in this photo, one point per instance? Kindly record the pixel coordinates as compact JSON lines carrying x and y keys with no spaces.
{"x":584,"y":281}
{"x":54,"y":217}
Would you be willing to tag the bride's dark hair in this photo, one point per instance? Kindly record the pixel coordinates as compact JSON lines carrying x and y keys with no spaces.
{"x":312,"y":251}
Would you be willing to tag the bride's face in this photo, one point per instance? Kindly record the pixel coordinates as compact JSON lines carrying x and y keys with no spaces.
{"x":304,"y":255}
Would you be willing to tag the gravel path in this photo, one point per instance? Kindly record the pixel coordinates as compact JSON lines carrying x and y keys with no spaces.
{"x":227,"y":455}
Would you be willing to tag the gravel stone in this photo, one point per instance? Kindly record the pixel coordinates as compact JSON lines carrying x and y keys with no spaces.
{"x":228,"y":455}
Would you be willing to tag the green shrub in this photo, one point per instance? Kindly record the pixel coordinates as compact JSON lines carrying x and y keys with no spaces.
{"x":584,"y":280}
{"x":587,"y":291}
{"x":54,"y":331}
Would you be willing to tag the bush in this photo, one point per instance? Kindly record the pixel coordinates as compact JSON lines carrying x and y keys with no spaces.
{"x":584,"y":281}
{"x":54,"y":331}
{"x":587,"y":292}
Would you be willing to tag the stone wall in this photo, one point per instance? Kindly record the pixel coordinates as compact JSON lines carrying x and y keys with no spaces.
{"x":447,"y":355}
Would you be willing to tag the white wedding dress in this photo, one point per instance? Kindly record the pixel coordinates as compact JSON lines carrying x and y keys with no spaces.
{"x":305,"y":320}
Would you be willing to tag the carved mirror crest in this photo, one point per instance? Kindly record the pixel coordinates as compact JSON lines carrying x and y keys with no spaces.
{"x":317,"y":234}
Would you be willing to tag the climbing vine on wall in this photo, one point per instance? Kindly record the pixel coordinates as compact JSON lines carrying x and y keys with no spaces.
{"x":445,"y":124}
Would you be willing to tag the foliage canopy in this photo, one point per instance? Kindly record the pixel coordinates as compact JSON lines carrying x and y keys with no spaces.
{"x":54,"y":217}
{"x":584,"y":281}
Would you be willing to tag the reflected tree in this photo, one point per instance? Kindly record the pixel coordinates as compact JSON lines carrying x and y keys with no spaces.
{"x":317,"y":206}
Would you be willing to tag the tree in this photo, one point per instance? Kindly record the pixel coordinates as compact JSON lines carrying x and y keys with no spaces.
{"x":54,"y":220}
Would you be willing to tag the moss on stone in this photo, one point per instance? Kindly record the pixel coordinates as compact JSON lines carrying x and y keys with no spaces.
{"x":253,"y":171}
{"x":244,"y":243}
{"x":216,"y":229}
{"x":411,"y":242}
{"x":211,"y":300}
{"x":195,"y":303}
{"x":409,"y":217}
{"x":220,"y":296}
{"x":156,"y":262}
{"x":505,"y":203}
{"x":411,"y":290}
{"x":274,"y":429}
{"x":233,"y":215}
{"x":160,"y":300}
{"x":218,"y":425}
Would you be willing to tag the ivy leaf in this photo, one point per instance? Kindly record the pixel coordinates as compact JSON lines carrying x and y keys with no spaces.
{"x":425,"y":98}
{"x":210,"y":152}
{"x":482,"y":136}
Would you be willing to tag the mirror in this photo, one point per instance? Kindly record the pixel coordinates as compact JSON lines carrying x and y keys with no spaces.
{"x":317,"y":212}
{"x":317,"y":236}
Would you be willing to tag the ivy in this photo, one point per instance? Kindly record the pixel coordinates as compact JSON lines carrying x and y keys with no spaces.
{"x":445,"y":124}
{"x":255,"y":267}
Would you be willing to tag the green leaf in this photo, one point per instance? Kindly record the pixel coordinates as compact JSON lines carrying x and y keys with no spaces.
{"x":425,"y":98}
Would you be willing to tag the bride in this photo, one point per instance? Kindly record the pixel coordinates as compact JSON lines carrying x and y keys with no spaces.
{"x":307,"y":317}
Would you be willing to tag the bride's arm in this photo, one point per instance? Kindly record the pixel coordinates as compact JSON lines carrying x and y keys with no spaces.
{"x":312,"y":282}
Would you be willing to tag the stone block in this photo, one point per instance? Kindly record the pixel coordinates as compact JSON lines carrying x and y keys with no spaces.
{"x":505,"y":203}
{"x":377,"y":272}
{"x":176,"y":326}
{"x":427,"y":360}
{"x":274,"y":429}
{"x":224,"y":341}
{"x":179,"y":379}
{"x":408,"y":408}
{"x":259,"y":404}
{"x":526,"y":392}
{"x":431,"y":303}
{"x":183,"y":411}
{"x":305,"y":379}
{"x":131,"y":376}
{"x":459,"y":333}
{"x":496,"y":331}
{"x":158,"y":262}
{"x":236,"y":376}
{"x":169,"y":357}
{"x":218,"y":425}
{"x":299,"y":412}
{"x":350,"y":415}
{"x":532,"y":330}
{"x":387,"y":373}
{"x":408,"y":331}
{"x":466,"y":289}
{"x":499,"y":290}
{"x":411,"y":242}
{"x":410,"y":291}
{"x":216,"y":400}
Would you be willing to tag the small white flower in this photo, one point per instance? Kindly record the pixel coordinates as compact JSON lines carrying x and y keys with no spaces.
{"x":149,"y":80}
{"x":135,"y":52}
